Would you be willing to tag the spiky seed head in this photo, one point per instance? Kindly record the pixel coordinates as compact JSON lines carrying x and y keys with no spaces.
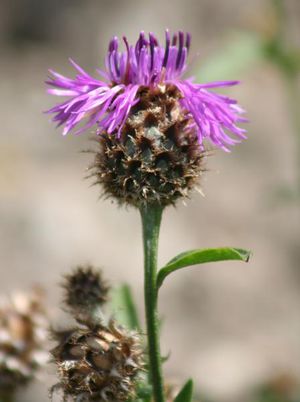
{"x":157,"y":157}
{"x":97,"y":364}
{"x":23,"y":335}
{"x":85,"y":292}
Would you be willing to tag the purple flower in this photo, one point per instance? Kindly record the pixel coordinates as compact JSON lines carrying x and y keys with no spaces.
{"x":107,"y":102}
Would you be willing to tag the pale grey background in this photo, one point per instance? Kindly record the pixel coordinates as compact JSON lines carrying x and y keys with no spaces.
{"x":228,"y":325}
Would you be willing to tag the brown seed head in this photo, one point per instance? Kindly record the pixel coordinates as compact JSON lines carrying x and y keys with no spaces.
{"x":85,"y":292}
{"x":99,"y":364}
{"x":157,"y":158}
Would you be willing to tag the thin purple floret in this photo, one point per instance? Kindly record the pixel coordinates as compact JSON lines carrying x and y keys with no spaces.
{"x":106,"y":103}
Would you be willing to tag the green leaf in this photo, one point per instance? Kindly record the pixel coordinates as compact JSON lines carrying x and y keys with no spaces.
{"x":186,"y":393}
{"x":194,"y":257}
{"x":123,"y":306}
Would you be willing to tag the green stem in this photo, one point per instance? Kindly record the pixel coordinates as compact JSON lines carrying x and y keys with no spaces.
{"x":151,"y":218}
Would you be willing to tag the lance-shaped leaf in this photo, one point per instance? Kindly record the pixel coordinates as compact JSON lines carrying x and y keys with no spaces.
{"x":123,"y":306}
{"x":186,"y":393}
{"x":194,"y":257}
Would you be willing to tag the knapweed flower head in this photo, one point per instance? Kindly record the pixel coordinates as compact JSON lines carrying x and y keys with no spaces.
{"x":152,"y":122}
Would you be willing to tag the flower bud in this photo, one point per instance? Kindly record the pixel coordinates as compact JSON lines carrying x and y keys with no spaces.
{"x":85,"y":293}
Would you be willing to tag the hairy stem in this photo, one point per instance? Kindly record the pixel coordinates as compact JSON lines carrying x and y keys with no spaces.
{"x":151,"y":218}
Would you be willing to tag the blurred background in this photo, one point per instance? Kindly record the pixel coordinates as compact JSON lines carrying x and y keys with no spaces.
{"x":235,"y":328}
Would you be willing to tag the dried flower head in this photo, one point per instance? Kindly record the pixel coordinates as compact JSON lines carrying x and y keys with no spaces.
{"x":152,"y":122}
{"x":97,"y":364}
{"x":85,"y":292}
{"x":23,"y":334}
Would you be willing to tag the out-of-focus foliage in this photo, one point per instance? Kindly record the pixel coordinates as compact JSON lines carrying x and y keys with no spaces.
{"x":123,"y":307}
{"x":283,"y":388}
{"x":242,"y":50}
{"x":186,"y":393}
{"x":245,"y":48}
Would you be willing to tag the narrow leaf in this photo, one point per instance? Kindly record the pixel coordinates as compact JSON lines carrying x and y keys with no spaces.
{"x":123,"y":306}
{"x":194,"y":257}
{"x":186,"y":393}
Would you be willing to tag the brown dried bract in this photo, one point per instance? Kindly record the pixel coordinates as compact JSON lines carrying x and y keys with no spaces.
{"x":99,"y":364}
